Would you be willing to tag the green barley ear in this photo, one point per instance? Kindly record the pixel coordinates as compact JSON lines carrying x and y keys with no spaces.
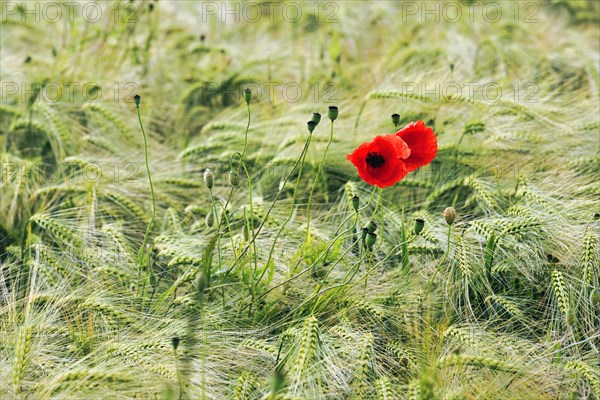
{"x":419,"y":225}
{"x":450,"y":215}
{"x":560,"y":291}
{"x":208,"y":178}
{"x":332,"y":113}
{"x":588,"y":258}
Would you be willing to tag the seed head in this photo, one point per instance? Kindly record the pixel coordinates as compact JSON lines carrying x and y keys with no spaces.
{"x":395,"y":119}
{"x":371,"y":239}
{"x":419,"y":225}
{"x":175,"y":342}
{"x":137,"y":99}
{"x":371,"y":226}
{"x":247,"y":95}
{"x":208,"y":178}
{"x":449,"y":215}
{"x":355,"y":202}
{"x":316,"y":118}
{"x":311,"y":125}
{"x":332,"y":113}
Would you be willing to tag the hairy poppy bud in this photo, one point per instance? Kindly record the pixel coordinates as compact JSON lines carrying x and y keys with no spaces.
{"x":571,"y":317}
{"x":234,"y":178}
{"x":332,"y":113}
{"x":175,"y":342}
{"x":210,"y":219}
{"x":355,"y":201}
{"x":449,"y":215}
{"x":137,"y":99}
{"x":371,"y":239}
{"x":316,"y":118}
{"x":371,"y":226}
{"x":395,"y":119}
{"x":419,"y":225}
{"x":311,"y":125}
{"x":200,"y":283}
{"x":208,"y":178}
{"x":247,"y":95}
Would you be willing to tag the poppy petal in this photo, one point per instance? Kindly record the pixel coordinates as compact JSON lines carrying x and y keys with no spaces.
{"x":422,"y":143}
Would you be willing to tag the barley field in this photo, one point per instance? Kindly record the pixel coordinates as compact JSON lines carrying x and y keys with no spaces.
{"x":172,"y":227}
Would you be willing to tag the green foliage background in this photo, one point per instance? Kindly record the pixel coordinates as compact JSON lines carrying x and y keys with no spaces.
{"x":512,"y":311}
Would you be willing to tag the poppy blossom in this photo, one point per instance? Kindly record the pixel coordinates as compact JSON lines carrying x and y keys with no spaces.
{"x":387,"y":159}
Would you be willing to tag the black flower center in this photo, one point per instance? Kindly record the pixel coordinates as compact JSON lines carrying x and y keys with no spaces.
{"x":375,"y":160}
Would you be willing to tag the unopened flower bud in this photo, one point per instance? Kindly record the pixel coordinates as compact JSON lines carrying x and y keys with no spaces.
{"x":137,"y":99}
{"x":210,"y":219}
{"x":311,"y":125}
{"x":208,"y":178}
{"x":371,"y":226}
{"x":247,"y":95}
{"x":395,"y":119}
{"x":571,"y":317}
{"x":419,"y":225}
{"x":355,"y":202}
{"x":200,"y":283}
{"x":450,"y":215}
{"x":371,"y":239}
{"x":332,"y":113}
{"x":363,"y":234}
{"x":175,"y":342}
{"x":316,"y":118}
{"x":234,"y":178}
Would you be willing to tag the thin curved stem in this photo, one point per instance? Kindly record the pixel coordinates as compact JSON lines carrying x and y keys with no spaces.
{"x":142,"y":255}
{"x":312,"y":190}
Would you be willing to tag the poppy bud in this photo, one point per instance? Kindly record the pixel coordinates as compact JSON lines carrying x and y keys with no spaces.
{"x":363,"y":234}
{"x":311,"y":125}
{"x":234,"y":178}
{"x":449,"y":215}
{"x":175,"y":342}
{"x":371,"y":227}
{"x":371,"y":239}
{"x":332,"y":113}
{"x":247,"y":95}
{"x":395,"y":119}
{"x":316,"y":118}
{"x":210,"y":219}
{"x":355,"y":201}
{"x":208,"y":178}
{"x":571,"y":317}
{"x":200,"y":283}
{"x":419,"y":225}
{"x":137,"y":99}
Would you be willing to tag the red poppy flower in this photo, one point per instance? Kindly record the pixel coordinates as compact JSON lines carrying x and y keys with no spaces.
{"x":422,"y":144}
{"x":387,"y":159}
